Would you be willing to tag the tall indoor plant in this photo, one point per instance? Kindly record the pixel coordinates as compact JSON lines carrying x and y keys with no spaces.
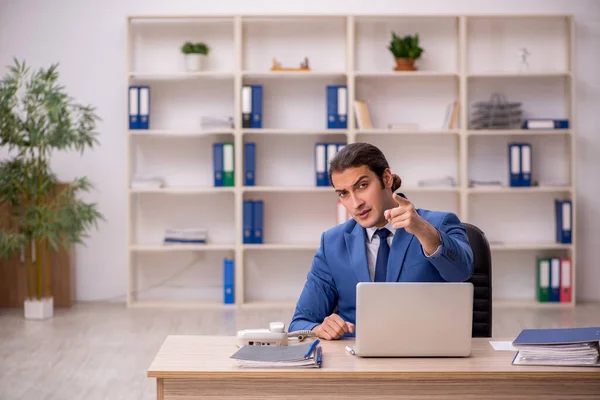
{"x":37,"y":117}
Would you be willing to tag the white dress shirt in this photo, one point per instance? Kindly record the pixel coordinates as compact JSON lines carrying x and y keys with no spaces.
{"x":373,"y":246}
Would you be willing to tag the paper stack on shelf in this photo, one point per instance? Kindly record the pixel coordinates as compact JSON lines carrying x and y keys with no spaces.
{"x":215,"y":123}
{"x":147,"y":182}
{"x":563,"y":347}
{"x":191,"y":235}
{"x":307,"y":355}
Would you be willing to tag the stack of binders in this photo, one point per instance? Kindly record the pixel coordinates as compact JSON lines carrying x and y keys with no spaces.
{"x":252,"y":101}
{"x":139,"y":107}
{"x":337,"y":107}
{"x":554,"y":277}
{"x":253,"y":221}
{"x":223,"y":164}
{"x":519,"y":160}
{"x":324,"y":153}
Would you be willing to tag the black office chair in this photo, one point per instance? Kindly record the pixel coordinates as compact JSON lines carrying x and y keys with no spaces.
{"x":482,"y":281}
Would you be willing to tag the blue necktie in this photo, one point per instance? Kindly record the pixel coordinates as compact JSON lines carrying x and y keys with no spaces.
{"x":382,"y":255}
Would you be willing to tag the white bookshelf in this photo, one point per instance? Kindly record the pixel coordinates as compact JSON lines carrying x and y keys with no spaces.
{"x":466,"y":58}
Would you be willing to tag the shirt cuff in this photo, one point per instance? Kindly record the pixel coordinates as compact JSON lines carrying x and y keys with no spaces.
{"x":437,"y":251}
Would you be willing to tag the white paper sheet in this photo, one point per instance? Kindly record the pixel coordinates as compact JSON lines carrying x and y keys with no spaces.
{"x":502,"y":345}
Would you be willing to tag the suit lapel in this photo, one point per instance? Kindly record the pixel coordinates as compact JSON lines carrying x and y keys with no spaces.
{"x":398,"y":249}
{"x":356,"y":246}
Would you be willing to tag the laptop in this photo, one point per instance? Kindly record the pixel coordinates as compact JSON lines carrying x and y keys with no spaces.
{"x":413,"y":319}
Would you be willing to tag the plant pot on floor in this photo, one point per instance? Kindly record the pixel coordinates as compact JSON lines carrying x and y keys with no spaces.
{"x":194,"y":62}
{"x":405,"y":64}
{"x":39,"y":308}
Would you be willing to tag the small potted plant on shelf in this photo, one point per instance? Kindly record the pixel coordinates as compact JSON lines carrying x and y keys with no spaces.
{"x":194,"y":54}
{"x":406,"y":51}
{"x":38,"y":117}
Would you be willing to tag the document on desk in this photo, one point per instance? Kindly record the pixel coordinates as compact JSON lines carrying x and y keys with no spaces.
{"x":307,"y":355}
{"x":500,"y":345}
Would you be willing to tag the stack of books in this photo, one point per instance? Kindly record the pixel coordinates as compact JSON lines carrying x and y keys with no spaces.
{"x":563,"y":347}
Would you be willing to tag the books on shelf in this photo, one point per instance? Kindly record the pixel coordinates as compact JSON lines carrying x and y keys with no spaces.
{"x":324,"y":153}
{"x":252,"y":106}
{"x":561,"y":347}
{"x":139,"y":107}
{"x":223,"y":164}
{"x":253,"y":220}
{"x":363,"y":117}
{"x":337,"y":107}
{"x":554,"y":279}
{"x":307,"y":355}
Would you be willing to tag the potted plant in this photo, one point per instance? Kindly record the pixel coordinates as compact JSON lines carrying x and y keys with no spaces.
{"x":194,"y":54}
{"x":406,"y":51}
{"x":37,"y":117}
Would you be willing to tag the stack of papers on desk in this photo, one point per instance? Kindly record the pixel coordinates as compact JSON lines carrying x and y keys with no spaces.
{"x":307,"y":355}
{"x":563,"y":347}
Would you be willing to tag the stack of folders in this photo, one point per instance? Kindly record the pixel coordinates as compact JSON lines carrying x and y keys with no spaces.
{"x":308,"y":355}
{"x":189,"y":235}
{"x":576,"y":347}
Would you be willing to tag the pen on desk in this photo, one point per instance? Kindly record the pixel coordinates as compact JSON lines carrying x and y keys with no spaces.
{"x":349,"y":350}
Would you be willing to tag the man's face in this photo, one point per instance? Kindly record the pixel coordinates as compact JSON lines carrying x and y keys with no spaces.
{"x":361,"y":193}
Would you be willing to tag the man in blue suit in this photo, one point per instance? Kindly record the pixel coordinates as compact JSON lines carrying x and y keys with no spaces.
{"x":388,"y":240}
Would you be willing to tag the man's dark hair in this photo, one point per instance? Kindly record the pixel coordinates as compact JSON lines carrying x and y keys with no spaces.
{"x":355,"y":155}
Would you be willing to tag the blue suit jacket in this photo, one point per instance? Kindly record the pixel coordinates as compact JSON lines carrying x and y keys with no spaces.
{"x":341,"y":262}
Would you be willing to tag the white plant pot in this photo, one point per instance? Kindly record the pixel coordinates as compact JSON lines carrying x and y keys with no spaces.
{"x":193,"y":62}
{"x":39,"y":309}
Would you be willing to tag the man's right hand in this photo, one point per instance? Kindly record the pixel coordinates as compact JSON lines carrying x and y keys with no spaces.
{"x":333,"y":327}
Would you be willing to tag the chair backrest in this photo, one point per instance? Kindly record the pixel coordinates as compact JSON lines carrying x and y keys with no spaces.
{"x":481,"y":280}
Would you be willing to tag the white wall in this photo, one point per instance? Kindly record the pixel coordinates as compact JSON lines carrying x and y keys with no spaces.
{"x":88,"y":39}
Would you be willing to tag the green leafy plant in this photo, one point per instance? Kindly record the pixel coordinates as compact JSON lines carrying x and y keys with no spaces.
{"x":37,"y":117}
{"x":195,"y":48}
{"x":405,"y":47}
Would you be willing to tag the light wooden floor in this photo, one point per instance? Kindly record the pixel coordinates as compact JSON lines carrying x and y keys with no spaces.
{"x":102,"y":351}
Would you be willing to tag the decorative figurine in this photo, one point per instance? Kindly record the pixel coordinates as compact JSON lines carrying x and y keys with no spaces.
{"x":524,"y":66}
{"x":303,"y":66}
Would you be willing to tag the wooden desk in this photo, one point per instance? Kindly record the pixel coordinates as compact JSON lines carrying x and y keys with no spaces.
{"x":194,"y":367}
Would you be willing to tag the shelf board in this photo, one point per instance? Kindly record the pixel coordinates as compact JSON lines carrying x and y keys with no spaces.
{"x":292,"y":74}
{"x":269,"y":304}
{"x":405,"y":74}
{"x":179,"y":133}
{"x":502,"y":303}
{"x":268,"y":131}
{"x":269,"y":246}
{"x":181,"y":75}
{"x":516,"y":74}
{"x":510,"y":132}
{"x":186,"y":190}
{"x":530,"y":246}
{"x":415,"y":132}
{"x":514,"y":190}
{"x":429,"y":189}
{"x":287,"y":189}
{"x":207,"y":304}
{"x":167,"y":247}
